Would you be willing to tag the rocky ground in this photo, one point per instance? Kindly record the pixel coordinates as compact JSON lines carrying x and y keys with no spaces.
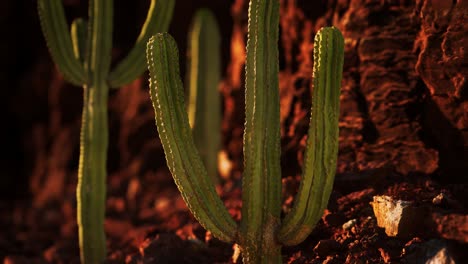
{"x":400,"y":195}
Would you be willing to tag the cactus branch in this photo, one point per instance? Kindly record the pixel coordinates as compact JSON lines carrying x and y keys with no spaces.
{"x":261,"y":187}
{"x":204,"y":106}
{"x":322,"y":143}
{"x":58,"y":40}
{"x":181,"y":154}
{"x":79,"y":37}
{"x":100,"y":39}
{"x":158,"y":19}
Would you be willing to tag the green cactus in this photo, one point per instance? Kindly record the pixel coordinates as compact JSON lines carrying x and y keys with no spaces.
{"x":261,"y":233}
{"x":84,"y":57}
{"x":204,"y":106}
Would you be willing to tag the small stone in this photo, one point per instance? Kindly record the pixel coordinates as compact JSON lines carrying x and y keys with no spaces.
{"x":348,"y":225}
{"x":434,"y":251}
{"x":326,"y":247}
{"x":442,"y":257}
{"x":439,"y":199}
{"x":397,"y":217}
{"x":237,"y":253}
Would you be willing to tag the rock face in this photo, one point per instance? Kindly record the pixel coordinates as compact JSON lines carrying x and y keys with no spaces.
{"x":404,"y":99}
{"x":383,"y":85}
{"x":442,"y":65}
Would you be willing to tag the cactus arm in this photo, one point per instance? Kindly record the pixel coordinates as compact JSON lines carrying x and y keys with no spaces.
{"x":181,"y":154}
{"x":78,"y":34}
{"x":158,"y":20}
{"x":261,"y":187}
{"x":322,"y":143}
{"x":58,"y":40}
{"x":91,"y":188}
{"x":204,"y":106}
{"x":100,"y":39}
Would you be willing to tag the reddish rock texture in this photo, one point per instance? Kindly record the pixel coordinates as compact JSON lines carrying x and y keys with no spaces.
{"x":380,"y":129}
{"x":442,"y":65}
{"x":403,"y":128}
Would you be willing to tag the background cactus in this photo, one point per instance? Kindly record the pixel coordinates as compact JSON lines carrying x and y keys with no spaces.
{"x":204,"y":105}
{"x":261,"y":233}
{"x":84,"y":58}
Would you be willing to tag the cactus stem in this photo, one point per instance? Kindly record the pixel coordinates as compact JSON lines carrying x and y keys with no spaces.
{"x":261,"y":186}
{"x":91,"y":188}
{"x":322,"y":144}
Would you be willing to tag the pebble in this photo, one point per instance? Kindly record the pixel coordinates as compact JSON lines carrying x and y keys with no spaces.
{"x":348,"y":225}
{"x":439,"y":199}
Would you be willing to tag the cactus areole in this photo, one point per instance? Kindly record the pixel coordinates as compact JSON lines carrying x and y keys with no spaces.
{"x":261,"y":232}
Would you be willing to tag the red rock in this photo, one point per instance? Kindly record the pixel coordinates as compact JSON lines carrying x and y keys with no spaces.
{"x":397,"y":217}
{"x":452,"y":226}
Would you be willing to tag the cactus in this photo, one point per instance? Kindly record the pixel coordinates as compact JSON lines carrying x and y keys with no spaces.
{"x":204,"y":106}
{"x":83,"y":56}
{"x":261,"y":233}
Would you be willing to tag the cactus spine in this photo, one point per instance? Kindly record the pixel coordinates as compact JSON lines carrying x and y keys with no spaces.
{"x":261,"y":233}
{"x":84,"y":58}
{"x":204,"y":106}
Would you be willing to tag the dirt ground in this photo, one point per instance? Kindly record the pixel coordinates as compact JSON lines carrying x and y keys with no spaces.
{"x":403,"y":136}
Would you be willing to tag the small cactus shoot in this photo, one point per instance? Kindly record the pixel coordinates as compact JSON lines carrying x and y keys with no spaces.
{"x":261,"y":232}
{"x":83,"y":56}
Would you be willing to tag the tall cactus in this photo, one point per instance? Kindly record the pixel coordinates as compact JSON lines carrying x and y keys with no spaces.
{"x":84,"y":57}
{"x":204,"y":71}
{"x":261,"y":233}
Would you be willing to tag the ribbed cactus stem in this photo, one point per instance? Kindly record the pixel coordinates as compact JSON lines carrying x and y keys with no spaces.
{"x":261,"y":183}
{"x":57,"y":35}
{"x":182,"y":157}
{"x":204,"y":107}
{"x":322,"y":144}
{"x":91,"y":188}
